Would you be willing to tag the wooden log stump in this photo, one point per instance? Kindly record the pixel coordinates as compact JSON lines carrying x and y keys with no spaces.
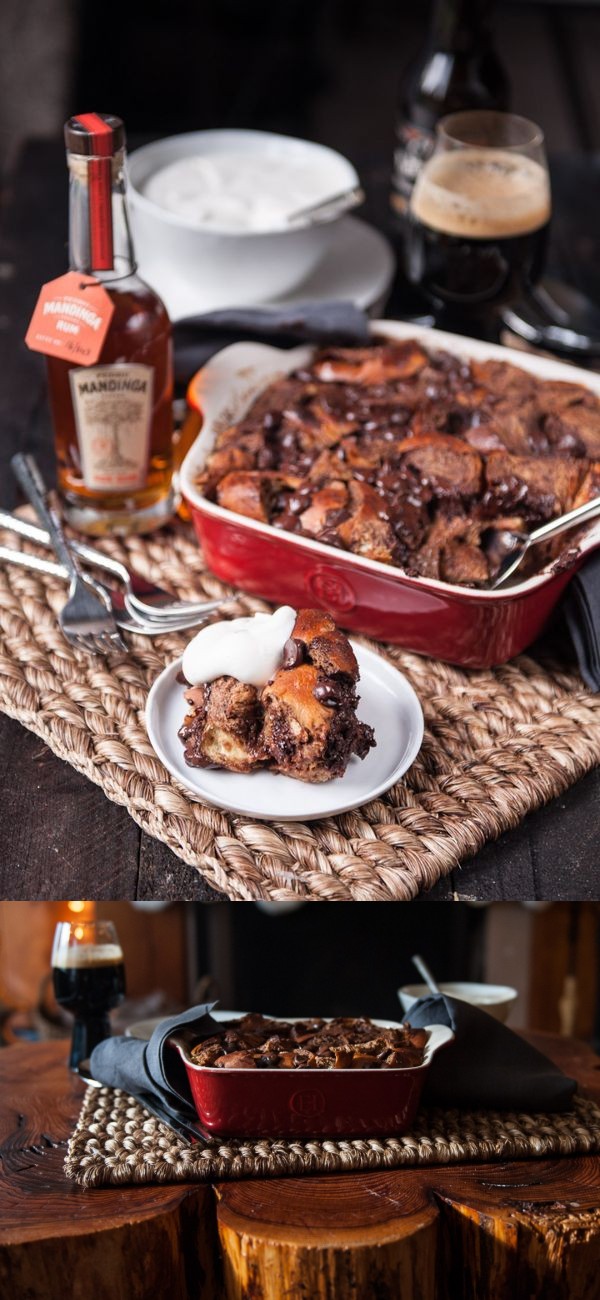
{"x":339,"y":1236}
{"x":57,"y":1240}
{"x":514,"y":1231}
{"x":525,"y":1229}
{"x":528,"y":1229}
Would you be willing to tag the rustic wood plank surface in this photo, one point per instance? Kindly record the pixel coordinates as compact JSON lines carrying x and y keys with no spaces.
{"x":515,"y":1229}
{"x":58,"y":835}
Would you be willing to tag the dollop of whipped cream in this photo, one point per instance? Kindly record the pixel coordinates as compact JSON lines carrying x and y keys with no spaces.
{"x":249,"y":649}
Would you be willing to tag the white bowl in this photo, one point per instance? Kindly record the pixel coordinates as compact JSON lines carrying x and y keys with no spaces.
{"x":496,"y":999}
{"x":230,"y":268}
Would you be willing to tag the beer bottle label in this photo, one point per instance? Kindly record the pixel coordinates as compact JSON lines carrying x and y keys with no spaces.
{"x":413,"y":147}
{"x":113,"y":409}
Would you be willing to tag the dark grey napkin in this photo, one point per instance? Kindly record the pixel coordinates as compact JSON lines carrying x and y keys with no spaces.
{"x":487,"y":1067}
{"x":581,"y":608}
{"x":154,"y":1067}
{"x":197,"y":338}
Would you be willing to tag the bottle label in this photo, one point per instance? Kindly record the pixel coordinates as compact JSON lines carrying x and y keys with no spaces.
{"x":113,"y":411}
{"x":71,"y":319}
{"x":413,"y":147}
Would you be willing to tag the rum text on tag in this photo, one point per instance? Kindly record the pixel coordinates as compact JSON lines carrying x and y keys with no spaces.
{"x":71,"y":319}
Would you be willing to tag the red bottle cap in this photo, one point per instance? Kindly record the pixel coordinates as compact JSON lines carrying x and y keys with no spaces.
{"x":97,"y":136}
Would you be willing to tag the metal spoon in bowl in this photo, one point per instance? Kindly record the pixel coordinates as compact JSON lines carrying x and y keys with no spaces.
{"x":425,"y":973}
{"x":327,"y":209}
{"x":523,"y":541}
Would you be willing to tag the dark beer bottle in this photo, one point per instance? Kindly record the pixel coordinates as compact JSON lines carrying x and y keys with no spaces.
{"x":457,"y":69}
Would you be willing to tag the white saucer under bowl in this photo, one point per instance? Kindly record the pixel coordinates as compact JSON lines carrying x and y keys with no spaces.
{"x":387,"y":702}
{"x":359,"y":268}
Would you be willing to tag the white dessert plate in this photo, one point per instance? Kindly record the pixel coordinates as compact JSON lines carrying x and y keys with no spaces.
{"x":358,"y":268}
{"x":387,"y":702}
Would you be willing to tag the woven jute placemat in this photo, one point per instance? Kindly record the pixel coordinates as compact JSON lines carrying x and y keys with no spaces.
{"x":117,"y":1141}
{"x":498,"y":744}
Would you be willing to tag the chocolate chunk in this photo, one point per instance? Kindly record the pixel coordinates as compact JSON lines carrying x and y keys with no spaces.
{"x":329,"y":693}
{"x":294,"y":653}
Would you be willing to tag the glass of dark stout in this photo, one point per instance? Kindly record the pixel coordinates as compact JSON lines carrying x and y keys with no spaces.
{"x":89,"y":980}
{"x":478,"y":221}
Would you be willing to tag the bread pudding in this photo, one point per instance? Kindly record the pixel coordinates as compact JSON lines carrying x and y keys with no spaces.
{"x":413,"y":457}
{"x":256,"y":1043}
{"x":300,"y":721}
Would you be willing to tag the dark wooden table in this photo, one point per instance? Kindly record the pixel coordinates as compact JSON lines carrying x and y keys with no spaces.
{"x":514,"y":1229}
{"x":60,"y":836}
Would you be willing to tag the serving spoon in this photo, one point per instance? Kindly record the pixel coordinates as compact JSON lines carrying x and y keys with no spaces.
{"x":523,"y":541}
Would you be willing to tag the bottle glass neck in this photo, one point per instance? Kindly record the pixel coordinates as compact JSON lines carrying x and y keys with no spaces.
{"x":100,"y":241}
{"x":459,"y":25}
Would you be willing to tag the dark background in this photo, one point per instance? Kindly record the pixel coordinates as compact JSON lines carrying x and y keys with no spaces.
{"x":326,"y":69}
{"x":345,"y":959}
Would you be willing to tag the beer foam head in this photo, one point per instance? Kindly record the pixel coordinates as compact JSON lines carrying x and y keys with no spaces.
{"x":482,"y":194}
{"x":88,"y":954}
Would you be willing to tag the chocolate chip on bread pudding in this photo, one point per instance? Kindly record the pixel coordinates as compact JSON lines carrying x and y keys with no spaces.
{"x":256,"y":1043}
{"x":274,"y":691}
{"x":411,"y":457}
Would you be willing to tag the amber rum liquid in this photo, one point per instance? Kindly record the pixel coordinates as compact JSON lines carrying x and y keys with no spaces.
{"x":113,"y":419}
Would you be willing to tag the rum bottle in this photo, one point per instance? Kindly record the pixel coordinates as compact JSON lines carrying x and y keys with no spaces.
{"x":112,"y":419}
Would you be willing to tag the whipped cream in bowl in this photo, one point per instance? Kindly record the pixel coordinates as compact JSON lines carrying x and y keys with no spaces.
{"x":237,"y":182}
{"x":249,"y":649}
{"x":236,"y":191}
{"x":210,"y":212}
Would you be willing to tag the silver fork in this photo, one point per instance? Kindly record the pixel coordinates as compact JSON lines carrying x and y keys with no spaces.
{"x":143,"y":599}
{"x":86,"y":621}
{"x":124,"y":619}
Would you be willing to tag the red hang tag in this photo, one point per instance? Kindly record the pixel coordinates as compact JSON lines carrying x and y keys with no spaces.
{"x":71,"y":319}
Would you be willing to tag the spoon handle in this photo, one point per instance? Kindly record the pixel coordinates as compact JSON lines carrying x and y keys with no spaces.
{"x":331,"y":207}
{"x":425,"y":973}
{"x":589,"y":510}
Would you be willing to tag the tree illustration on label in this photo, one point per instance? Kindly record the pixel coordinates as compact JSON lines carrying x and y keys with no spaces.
{"x":113,"y":410}
{"x":114,"y":415}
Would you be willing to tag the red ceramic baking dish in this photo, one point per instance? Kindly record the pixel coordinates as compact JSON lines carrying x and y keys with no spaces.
{"x":316,"y":1103}
{"x":463,"y":626}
